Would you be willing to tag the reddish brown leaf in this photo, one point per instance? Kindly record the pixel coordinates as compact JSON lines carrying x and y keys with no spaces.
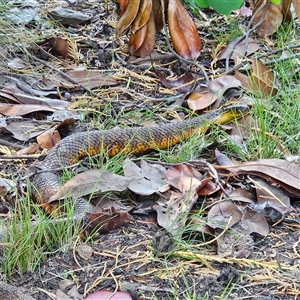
{"x":183,"y":31}
{"x":60,"y":45}
{"x":128,"y":17}
{"x":123,"y":6}
{"x":286,"y":10}
{"x":144,"y":45}
{"x":143,"y":15}
{"x":105,"y":222}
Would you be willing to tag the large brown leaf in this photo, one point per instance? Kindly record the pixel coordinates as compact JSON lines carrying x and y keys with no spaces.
{"x":123,"y":6}
{"x":142,"y":42}
{"x":278,"y":171}
{"x":272,"y":18}
{"x":128,"y":17}
{"x":183,"y":31}
{"x":143,"y":15}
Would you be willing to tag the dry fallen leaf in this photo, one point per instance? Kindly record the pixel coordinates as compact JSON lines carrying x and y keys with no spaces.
{"x":183,"y":31}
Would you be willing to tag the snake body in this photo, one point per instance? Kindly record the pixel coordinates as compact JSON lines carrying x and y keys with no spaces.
{"x":134,"y":140}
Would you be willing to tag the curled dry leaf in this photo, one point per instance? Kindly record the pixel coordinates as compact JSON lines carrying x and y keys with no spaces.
{"x":272,"y":14}
{"x":51,"y":137}
{"x":200,"y":101}
{"x":60,"y":45}
{"x":142,"y":42}
{"x":143,"y":15}
{"x":127,"y":18}
{"x":183,"y":31}
{"x":220,"y":85}
{"x":123,"y":6}
{"x":172,"y":213}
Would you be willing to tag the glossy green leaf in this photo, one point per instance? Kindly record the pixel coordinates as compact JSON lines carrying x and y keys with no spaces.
{"x":225,"y":7}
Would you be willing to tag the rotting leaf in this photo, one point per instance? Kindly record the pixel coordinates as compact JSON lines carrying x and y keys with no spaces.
{"x":183,"y":31}
{"x":235,"y":242}
{"x":84,"y":251}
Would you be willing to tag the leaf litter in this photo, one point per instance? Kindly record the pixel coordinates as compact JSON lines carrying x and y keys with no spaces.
{"x":231,"y":214}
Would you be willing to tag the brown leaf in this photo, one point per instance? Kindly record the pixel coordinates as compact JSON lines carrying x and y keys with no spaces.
{"x":91,"y":78}
{"x":240,"y":49}
{"x":263,"y":78}
{"x":85,"y":251}
{"x":123,"y":6}
{"x":51,"y":137}
{"x":183,"y":84}
{"x":220,"y":85}
{"x":183,"y":31}
{"x":128,"y":17}
{"x":142,"y":42}
{"x":105,"y":222}
{"x":142,"y":16}
{"x":91,"y":181}
{"x":253,"y":221}
{"x":261,"y":81}
{"x":278,"y":171}
{"x":200,"y":101}
{"x":272,"y":20}
{"x":60,"y":45}
{"x":220,"y":214}
{"x":24,"y":109}
{"x":286,"y":10}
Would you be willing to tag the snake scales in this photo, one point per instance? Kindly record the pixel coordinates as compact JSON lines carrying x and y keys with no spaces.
{"x":130,"y":140}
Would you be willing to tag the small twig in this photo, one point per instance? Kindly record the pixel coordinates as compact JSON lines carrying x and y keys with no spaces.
{"x":171,"y":48}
